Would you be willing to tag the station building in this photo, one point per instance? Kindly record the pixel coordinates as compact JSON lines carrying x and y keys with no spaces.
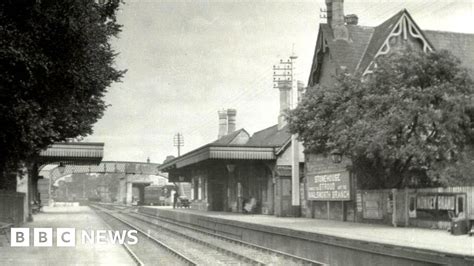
{"x":330,"y":190}
{"x":226,"y":173}
{"x":238,"y":166}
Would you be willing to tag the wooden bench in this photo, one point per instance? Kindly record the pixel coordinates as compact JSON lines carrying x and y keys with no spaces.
{"x":36,"y":207}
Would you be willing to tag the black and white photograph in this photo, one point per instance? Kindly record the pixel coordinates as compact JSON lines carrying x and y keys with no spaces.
{"x":237,"y":132}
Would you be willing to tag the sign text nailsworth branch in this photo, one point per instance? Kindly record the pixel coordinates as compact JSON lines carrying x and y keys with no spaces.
{"x":327,"y":187}
{"x":66,"y":237}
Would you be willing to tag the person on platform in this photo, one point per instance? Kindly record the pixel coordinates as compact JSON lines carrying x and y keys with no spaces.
{"x":175,"y":199}
{"x":250,"y":205}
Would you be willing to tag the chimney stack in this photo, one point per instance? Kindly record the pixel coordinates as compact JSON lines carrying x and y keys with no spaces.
{"x":335,"y":19}
{"x":285,"y":98}
{"x":222,"y":123}
{"x":231,"y":113}
{"x":351,"y":19}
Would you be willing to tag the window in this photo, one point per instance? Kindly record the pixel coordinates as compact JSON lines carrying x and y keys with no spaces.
{"x":199,"y":185}
{"x":460,"y":200}
{"x":412,"y":204}
{"x":203,"y":183}
{"x":195,"y":189}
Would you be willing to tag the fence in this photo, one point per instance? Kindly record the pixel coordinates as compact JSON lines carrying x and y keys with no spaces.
{"x":12,"y":207}
{"x":424,"y":207}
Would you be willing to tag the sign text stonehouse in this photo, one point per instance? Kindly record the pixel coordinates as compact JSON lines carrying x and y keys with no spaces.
{"x":329,"y":186}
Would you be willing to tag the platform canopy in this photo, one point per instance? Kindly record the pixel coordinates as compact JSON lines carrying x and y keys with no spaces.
{"x":220,"y":152}
{"x":73,"y":153}
{"x":266,"y":144}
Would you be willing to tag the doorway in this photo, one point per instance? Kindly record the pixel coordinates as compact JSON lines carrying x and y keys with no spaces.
{"x":217,"y":192}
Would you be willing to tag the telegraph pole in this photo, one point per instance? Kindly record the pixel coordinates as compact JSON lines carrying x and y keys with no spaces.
{"x":178,"y":141}
{"x":282,"y":81}
{"x":295,"y":155}
{"x":284,"y":78}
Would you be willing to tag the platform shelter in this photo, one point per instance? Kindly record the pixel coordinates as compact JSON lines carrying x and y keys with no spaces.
{"x":227,"y":173}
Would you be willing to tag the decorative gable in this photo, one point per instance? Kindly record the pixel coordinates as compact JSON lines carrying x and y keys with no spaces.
{"x":404,"y":32}
{"x":365,"y":44}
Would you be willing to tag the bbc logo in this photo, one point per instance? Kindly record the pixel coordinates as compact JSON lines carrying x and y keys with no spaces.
{"x":43,"y":237}
{"x":66,"y":237}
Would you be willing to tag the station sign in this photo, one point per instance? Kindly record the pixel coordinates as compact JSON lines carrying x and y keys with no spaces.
{"x":329,"y":186}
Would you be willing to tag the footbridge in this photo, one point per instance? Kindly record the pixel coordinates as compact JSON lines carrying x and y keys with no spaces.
{"x":131,"y":174}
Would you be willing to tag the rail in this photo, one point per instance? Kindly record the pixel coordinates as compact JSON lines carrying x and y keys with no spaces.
{"x":174,"y":252}
{"x":293,"y":258}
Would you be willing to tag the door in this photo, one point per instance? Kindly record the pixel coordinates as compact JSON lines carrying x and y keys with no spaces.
{"x":285,"y":192}
{"x":217,"y":191}
{"x":405,"y":207}
{"x":461,"y":204}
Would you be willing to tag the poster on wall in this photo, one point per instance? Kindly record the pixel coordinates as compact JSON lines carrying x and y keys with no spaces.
{"x":446,"y":202}
{"x":426,"y":202}
{"x":329,"y":187}
{"x":372,"y":205}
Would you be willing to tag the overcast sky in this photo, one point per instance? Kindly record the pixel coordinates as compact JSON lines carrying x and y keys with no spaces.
{"x":188,"y":59}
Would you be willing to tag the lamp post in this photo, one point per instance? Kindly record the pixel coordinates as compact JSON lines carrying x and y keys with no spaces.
{"x":61,"y":168}
{"x":336,"y":156}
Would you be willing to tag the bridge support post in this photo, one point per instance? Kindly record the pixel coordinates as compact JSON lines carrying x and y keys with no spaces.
{"x":122,"y":190}
{"x":128,"y":196}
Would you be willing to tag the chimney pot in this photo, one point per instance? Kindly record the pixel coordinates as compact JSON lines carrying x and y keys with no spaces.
{"x":231,"y":114}
{"x":222,"y":123}
{"x":351,"y":19}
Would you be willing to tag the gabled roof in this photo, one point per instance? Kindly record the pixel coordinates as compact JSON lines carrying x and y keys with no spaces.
{"x":365,"y":43}
{"x":379,"y":36}
{"x":459,"y":44}
{"x":263,"y":145}
{"x":348,"y":53}
{"x":270,"y":137}
{"x":229,"y":138}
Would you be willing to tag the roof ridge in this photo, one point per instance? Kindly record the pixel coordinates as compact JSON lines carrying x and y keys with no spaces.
{"x":230,"y":136}
{"x":399,"y":13}
{"x":264,"y":129}
{"x":450,"y":32}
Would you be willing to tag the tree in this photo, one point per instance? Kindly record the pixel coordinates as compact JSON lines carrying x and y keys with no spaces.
{"x":56,"y":63}
{"x":406,"y":124}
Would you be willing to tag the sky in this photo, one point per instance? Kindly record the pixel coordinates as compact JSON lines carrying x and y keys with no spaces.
{"x":186,"y":60}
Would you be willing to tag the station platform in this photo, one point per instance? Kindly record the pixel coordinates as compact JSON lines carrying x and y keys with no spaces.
{"x":78,"y":217}
{"x":325,"y":239}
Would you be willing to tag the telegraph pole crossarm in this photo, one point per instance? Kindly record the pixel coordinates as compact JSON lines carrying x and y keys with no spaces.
{"x":178,"y":141}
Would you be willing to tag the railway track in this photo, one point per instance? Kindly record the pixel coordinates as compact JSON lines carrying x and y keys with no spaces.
{"x":265,"y":255}
{"x":162,"y":253}
{"x":200,"y":252}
